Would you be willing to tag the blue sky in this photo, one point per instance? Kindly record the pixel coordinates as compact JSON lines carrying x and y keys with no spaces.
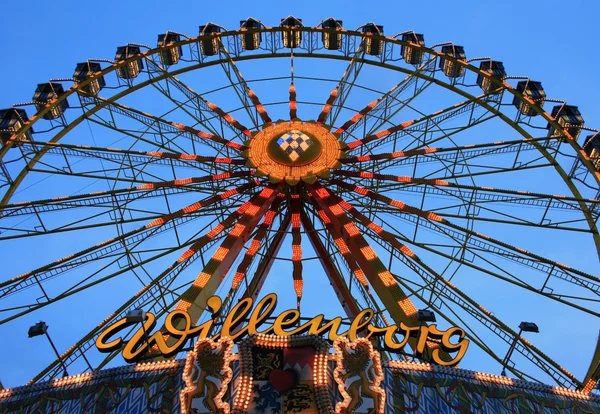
{"x":549,"y":41}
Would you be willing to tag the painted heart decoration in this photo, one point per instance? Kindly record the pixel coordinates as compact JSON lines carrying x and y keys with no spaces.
{"x":283,"y":380}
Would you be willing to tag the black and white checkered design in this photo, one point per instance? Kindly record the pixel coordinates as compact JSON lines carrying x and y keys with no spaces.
{"x":294,"y":143}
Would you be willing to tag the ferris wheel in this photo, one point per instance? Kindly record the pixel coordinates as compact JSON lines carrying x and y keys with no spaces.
{"x":449,"y":191}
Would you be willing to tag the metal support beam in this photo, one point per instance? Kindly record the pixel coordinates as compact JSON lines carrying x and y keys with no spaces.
{"x":335,"y":278}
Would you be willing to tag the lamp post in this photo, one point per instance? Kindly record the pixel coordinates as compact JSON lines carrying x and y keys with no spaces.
{"x":137,"y":316}
{"x":41,"y":328}
{"x":523,"y":327}
{"x":424,"y":315}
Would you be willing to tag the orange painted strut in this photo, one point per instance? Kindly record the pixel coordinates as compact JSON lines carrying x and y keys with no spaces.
{"x":224,"y":256}
{"x":156,"y":223}
{"x":327,"y":107}
{"x":293,"y":105}
{"x":296,"y":247}
{"x":259,"y":107}
{"x":256,"y":242}
{"x":357,"y":117}
{"x":231,"y":120}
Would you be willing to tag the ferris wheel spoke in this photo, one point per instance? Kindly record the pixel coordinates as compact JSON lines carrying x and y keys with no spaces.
{"x":579,"y":303}
{"x":204,"y":105}
{"x":443,"y":287}
{"x":258,"y":259}
{"x":465,"y":151}
{"x":464,"y":247}
{"x":116,"y":172}
{"x":295,"y":209}
{"x":483,"y":198}
{"x":388,"y":105}
{"x":193,"y":300}
{"x":389,"y":292}
{"x":340,"y":244}
{"x":242,"y":89}
{"x":337,"y":97}
{"x":491,"y":245}
{"x":350,"y":288}
{"x":333,"y":272}
{"x":123,"y":156}
{"x":33,"y":277}
{"x":255,"y":245}
{"x":123,"y":162}
{"x":79,"y":225}
{"x":216,"y":183}
{"x":513,"y":220}
{"x":267,"y":259}
{"x":147,"y":293}
{"x":423,"y":123}
{"x":480,"y":198}
{"x":335,"y":247}
{"x":293,"y":102}
{"x":421,"y":140}
{"x":409,"y":256}
{"x":155,"y":287}
{"x":194,"y":104}
{"x":90,"y":281}
{"x":107,"y":174}
{"x":164,"y":132}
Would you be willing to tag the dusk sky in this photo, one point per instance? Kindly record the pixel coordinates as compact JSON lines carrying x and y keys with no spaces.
{"x":550,"y":41}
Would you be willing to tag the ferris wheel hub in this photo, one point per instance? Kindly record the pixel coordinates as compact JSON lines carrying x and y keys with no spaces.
{"x":294,"y":151}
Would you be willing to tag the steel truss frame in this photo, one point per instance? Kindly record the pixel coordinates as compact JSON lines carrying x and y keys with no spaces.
{"x":345,"y":217}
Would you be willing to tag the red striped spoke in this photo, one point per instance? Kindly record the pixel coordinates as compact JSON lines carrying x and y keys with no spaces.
{"x":436,"y":218}
{"x":213,"y":137}
{"x":258,"y":239}
{"x":374,"y":268}
{"x":197,"y":158}
{"x":154,"y":224}
{"x":328,"y":105}
{"x":194,"y":180}
{"x":394,"y":203}
{"x":361,"y":114}
{"x":296,"y":247}
{"x":144,"y":187}
{"x":293,"y":103}
{"x":380,"y":231}
{"x":252,"y":212}
{"x":200,"y":204}
{"x":425,"y":151}
{"x":404,"y":125}
{"x":218,"y":229}
{"x":231,"y":120}
{"x":339,"y":241}
{"x":442,"y":183}
{"x":259,"y":107}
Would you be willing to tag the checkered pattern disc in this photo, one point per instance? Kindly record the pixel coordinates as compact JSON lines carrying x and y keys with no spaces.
{"x":294,"y":143}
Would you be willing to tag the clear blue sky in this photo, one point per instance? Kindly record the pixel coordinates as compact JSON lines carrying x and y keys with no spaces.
{"x":551,"y":41}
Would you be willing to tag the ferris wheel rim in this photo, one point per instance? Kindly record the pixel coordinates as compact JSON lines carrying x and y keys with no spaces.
{"x":150,"y":52}
{"x":167,"y":74}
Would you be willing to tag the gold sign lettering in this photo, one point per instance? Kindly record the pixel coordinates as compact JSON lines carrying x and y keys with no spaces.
{"x":179,"y":326}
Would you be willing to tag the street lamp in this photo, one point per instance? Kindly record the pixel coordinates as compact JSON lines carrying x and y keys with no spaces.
{"x":523,"y":327}
{"x":425,"y":315}
{"x":137,"y":316}
{"x":41,"y":328}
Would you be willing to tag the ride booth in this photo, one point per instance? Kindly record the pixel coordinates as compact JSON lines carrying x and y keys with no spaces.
{"x":291,"y":374}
